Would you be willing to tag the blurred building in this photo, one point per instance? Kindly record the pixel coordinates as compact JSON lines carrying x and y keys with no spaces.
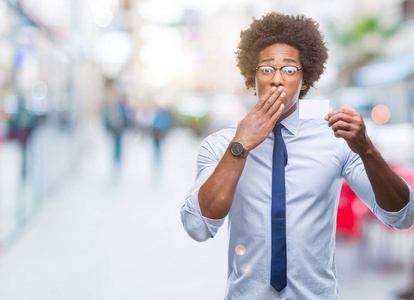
{"x":382,"y":76}
{"x":51,"y":86}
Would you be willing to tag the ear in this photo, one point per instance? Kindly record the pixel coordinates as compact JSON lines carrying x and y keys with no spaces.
{"x":304,"y":86}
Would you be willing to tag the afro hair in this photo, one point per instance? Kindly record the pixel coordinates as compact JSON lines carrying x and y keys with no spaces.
{"x":297,"y":31}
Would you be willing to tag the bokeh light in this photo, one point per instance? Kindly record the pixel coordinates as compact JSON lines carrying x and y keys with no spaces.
{"x":247,"y":270}
{"x":240,"y":250}
{"x":39,"y":89}
{"x":380,"y":114}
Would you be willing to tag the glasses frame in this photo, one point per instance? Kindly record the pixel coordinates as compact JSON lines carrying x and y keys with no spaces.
{"x":278,"y":68}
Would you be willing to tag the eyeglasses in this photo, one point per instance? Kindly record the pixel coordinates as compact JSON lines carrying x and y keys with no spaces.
{"x":266,"y":73}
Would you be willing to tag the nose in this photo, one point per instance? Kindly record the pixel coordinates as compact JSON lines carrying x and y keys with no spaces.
{"x":277,"y":79}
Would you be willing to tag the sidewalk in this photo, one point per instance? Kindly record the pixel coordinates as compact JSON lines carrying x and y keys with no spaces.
{"x":105,"y":237}
{"x":110,"y":235}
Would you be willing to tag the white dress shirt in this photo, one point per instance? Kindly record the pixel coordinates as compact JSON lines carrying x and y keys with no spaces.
{"x":317,"y":164}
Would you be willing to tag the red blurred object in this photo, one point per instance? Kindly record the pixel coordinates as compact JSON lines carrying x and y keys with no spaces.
{"x":352,"y":211}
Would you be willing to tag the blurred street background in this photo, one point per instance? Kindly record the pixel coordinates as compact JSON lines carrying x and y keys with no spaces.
{"x":104,"y":104}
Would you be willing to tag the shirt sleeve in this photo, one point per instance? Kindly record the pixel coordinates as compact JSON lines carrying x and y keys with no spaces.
{"x":357,"y":178}
{"x":197,"y":226}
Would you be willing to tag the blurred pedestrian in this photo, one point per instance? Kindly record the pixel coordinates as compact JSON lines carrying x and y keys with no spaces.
{"x":160,"y":126}
{"x":278,"y":178}
{"x":22,"y":125}
{"x":116,"y":122}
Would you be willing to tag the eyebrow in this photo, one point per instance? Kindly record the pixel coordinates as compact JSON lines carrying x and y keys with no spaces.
{"x":285,"y":59}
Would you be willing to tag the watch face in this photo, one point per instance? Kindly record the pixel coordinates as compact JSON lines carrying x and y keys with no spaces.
{"x":237,"y":149}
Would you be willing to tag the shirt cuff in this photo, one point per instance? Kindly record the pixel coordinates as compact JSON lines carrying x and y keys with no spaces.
{"x":193,"y":207}
{"x":402,"y":219}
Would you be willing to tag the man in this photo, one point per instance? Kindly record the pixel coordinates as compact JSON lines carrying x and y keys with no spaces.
{"x":284,"y":249}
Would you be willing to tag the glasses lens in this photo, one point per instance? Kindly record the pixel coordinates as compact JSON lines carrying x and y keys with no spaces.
{"x":266,"y":73}
{"x":289,"y":73}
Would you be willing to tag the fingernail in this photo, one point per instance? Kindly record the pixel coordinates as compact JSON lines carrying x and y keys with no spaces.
{"x":273,"y":88}
{"x":280,"y":88}
{"x":326,"y":118}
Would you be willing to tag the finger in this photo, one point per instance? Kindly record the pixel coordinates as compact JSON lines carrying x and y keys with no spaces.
{"x":278,"y":113}
{"x":341,"y":125}
{"x":347,"y":116}
{"x":272,"y":99}
{"x":341,"y":116}
{"x":345,"y":110}
{"x":346,"y":135}
{"x":265,"y":97}
{"x":342,"y":110}
{"x":275,"y":106}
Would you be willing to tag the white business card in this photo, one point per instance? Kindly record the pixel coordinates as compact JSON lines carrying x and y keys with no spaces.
{"x":313,"y":109}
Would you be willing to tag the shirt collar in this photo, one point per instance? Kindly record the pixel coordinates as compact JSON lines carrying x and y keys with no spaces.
{"x":292,"y":122}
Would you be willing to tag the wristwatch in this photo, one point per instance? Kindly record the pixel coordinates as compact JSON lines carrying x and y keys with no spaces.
{"x":237,"y":149}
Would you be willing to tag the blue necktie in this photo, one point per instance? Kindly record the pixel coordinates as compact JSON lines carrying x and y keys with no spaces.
{"x":278,"y":270}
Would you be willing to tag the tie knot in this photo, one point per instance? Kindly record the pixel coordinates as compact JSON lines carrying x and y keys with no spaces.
{"x":278,"y":129}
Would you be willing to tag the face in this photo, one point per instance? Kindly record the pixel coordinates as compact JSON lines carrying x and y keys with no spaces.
{"x":279,"y":55}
